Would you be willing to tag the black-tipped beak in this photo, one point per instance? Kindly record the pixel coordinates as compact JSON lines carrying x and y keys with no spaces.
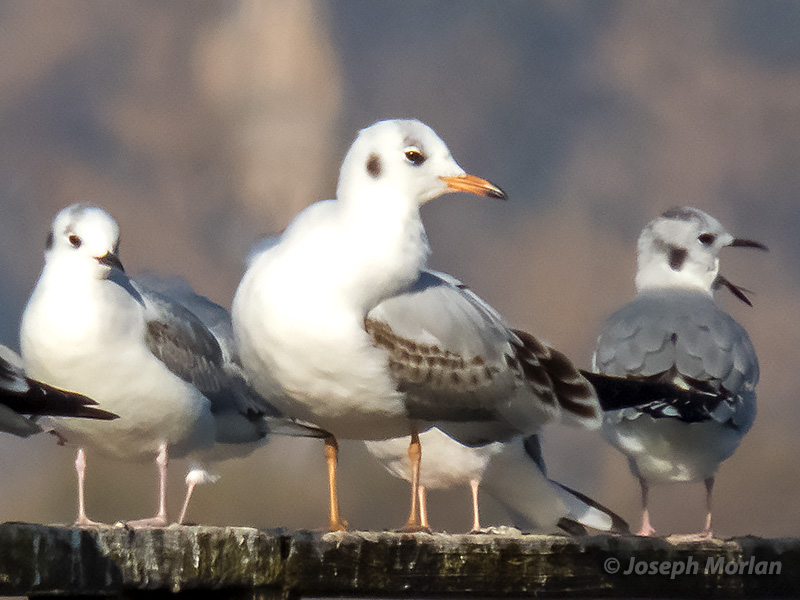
{"x":474,"y":185}
{"x":739,"y":243}
{"x":111,"y":260}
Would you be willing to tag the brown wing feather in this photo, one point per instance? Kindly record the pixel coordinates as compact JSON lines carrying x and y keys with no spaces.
{"x":571,"y":390}
{"x":435,"y":380}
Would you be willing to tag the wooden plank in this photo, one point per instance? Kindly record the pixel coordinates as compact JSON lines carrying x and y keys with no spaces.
{"x":242,"y":562}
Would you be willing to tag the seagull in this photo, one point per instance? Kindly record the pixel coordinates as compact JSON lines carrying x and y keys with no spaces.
{"x":23,"y":399}
{"x":674,"y":332}
{"x":338,"y":322}
{"x":512,"y":472}
{"x":87,"y":327}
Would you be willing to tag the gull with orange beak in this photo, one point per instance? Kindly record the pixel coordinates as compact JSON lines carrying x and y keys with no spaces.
{"x":339,"y":323}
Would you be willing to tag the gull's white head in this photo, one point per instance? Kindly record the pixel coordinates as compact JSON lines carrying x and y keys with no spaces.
{"x":87,"y":237}
{"x":680,"y":249}
{"x":408,"y":157}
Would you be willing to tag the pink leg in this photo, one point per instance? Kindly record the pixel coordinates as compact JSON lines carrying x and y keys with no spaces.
{"x":647,"y":529}
{"x":708,"y":533}
{"x":80,"y":469}
{"x":190,"y":485}
{"x":194,"y":477}
{"x":160,"y":520}
{"x":476,"y":519}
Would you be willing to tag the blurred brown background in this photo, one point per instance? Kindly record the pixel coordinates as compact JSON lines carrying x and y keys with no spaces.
{"x":202,"y":126}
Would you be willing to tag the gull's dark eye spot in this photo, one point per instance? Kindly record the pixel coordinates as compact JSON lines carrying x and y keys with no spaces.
{"x":374,"y":165}
{"x":706,"y":239}
{"x":415,"y":157}
{"x":75,"y":241}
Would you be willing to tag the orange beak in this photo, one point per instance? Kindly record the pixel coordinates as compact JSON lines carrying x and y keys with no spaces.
{"x":474,"y":185}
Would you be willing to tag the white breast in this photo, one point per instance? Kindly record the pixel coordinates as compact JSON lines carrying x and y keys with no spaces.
{"x":90,"y":339}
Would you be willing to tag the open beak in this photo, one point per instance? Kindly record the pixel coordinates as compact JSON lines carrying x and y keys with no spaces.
{"x":739,"y":243}
{"x":111,"y":260}
{"x":474,"y":185}
{"x":739,"y":292}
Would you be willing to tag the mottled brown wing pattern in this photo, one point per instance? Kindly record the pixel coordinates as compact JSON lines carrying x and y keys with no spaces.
{"x":434,"y":375}
{"x":427,"y":363}
{"x":436,"y":380}
{"x":550,"y":371}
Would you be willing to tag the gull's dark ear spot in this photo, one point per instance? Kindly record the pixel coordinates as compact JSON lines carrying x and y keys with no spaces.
{"x":374,"y":166}
{"x":677,"y":256}
{"x":49,"y":243}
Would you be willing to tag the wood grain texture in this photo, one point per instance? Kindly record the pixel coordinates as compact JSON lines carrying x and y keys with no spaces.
{"x":237,"y":562}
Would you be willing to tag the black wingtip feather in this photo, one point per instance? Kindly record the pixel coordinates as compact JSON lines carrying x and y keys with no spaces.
{"x":572,"y":527}
{"x":618,"y":524}
{"x":44,"y":400}
{"x":616,"y":393}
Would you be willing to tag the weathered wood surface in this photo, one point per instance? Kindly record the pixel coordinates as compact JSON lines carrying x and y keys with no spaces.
{"x":236,"y":562}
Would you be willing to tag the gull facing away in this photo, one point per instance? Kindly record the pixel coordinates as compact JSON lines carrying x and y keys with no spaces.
{"x":674,"y":332}
{"x":339,"y":324}
{"x":512,"y":472}
{"x":23,"y":399}
{"x":137,"y":352}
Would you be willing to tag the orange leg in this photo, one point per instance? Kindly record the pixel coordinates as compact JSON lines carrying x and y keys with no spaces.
{"x":476,"y":519}
{"x":415,"y":455}
{"x":423,"y":507}
{"x":332,"y":457}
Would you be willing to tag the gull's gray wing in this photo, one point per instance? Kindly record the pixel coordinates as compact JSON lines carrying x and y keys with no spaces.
{"x":212,"y":316}
{"x":458,"y":362}
{"x":179,"y":339}
{"x":683,"y":338}
{"x":193,"y":337}
{"x":13,"y":422}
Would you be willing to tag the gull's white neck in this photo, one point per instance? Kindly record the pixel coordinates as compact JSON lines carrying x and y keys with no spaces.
{"x":384,"y":246}
{"x":657,"y":274}
{"x":360,"y":250}
{"x":65,"y":268}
